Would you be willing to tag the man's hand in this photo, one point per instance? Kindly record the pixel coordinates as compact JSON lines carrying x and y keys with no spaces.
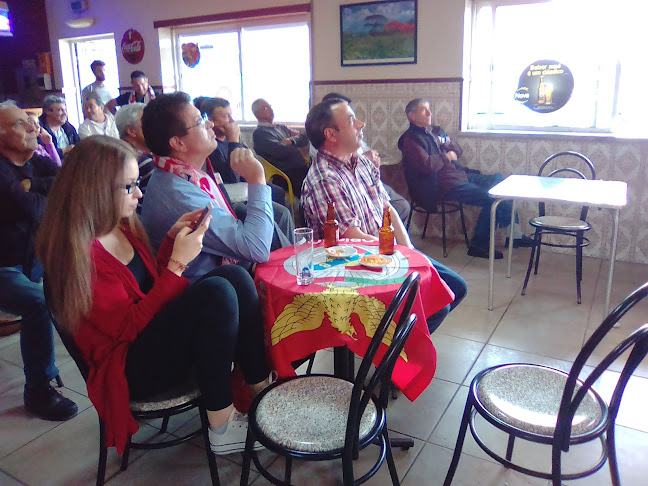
{"x":293,"y":133}
{"x":232,"y":131}
{"x":286,"y":141}
{"x":25,"y":184}
{"x":452,"y":156}
{"x":67,"y":149}
{"x":244,"y":164}
{"x":45,"y":136}
{"x":374,"y":157}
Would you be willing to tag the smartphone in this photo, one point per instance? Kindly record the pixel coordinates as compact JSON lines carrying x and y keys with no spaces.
{"x":206,"y":212}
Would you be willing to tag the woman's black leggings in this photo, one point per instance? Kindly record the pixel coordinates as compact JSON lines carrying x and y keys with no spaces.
{"x":215,"y":322}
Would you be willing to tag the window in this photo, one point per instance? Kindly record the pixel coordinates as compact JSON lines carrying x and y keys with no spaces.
{"x":242,"y":63}
{"x":600,"y":42}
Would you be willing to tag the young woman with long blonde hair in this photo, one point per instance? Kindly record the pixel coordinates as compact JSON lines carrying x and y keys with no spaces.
{"x":140,"y":326}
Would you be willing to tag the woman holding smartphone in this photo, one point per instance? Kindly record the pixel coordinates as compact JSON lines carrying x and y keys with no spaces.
{"x":141,"y":326}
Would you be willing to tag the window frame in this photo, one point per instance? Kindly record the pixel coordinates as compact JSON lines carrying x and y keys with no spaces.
{"x":237,"y":25}
{"x":490,"y":125}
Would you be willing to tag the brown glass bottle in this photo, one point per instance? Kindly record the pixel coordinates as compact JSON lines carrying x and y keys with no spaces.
{"x":331,"y":227}
{"x":386,"y":235}
{"x":541,"y":91}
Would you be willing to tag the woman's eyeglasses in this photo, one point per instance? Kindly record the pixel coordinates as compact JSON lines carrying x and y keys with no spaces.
{"x":131,"y":187}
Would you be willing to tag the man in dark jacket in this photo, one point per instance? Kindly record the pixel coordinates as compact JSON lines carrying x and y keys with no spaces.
{"x":25,"y":180}
{"x":434,"y":174}
{"x":54,"y":121}
{"x":281,"y":146}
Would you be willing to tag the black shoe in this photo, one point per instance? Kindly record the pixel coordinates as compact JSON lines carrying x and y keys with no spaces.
{"x":475,"y":251}
{"x":48,"y":404}
{"x":524,"y":242}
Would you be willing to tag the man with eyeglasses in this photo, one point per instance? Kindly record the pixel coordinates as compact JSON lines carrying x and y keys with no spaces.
{"x":25,"y":180}
{"x":181,"y":141}
{"x":340,"y":175}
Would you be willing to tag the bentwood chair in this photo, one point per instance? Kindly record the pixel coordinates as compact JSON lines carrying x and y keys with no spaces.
{"x":562,"y":164}
{"x":420,"y":203}
{"x":548,"y":406}
{"x":321,"y":417}
{"x":165,"y":405}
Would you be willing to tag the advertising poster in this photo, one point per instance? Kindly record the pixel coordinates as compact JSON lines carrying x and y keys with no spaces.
{"x":545,"y":86}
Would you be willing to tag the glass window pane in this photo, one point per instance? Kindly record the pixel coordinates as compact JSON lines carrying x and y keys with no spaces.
{"x":217,"y":74}
{"x":276,"y":67}
{"x":567,"y":31}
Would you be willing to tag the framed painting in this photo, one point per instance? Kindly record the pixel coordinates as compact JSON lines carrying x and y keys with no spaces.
{"x":378,"y":33}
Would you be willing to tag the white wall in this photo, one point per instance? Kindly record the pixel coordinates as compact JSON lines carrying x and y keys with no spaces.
{"x":440,"y":44}
{"x":117,"y":16}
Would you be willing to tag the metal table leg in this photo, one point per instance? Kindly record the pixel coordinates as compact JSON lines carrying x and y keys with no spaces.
{"x":613,"y":249}
{"x":491,"y":254}
{"x":510,"y":252}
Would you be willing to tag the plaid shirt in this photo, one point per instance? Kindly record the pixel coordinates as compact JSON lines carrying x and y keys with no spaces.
{"x":353,"y":185}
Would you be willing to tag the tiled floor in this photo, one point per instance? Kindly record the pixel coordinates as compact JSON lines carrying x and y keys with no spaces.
{"x":546,"y":326}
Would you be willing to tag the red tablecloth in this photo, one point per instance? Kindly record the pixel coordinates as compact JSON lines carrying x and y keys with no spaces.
{"x":344,"y":304}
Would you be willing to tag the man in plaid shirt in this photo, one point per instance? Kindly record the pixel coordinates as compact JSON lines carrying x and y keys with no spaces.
{"x":352,"y":181}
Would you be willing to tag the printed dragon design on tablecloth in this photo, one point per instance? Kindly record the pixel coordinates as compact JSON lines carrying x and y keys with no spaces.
{"x":306,"y":313}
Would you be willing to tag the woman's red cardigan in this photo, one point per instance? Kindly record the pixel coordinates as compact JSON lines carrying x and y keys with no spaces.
{"x":120,"y":311}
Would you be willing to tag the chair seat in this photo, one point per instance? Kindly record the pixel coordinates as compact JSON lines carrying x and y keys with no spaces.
{"x":309,"y":414}
{"x":560,"y":223}
{"x":174,"y":397}
{"x":528,"y":397}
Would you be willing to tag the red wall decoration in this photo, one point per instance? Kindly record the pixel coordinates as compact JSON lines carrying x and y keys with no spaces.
{"x":132,"y":46}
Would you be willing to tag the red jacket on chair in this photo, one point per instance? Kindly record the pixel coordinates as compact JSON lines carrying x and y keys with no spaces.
{"x":120,"y":311}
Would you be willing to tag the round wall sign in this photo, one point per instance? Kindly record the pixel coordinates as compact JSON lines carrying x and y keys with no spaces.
{"x":190,"y":54}
{"x":132,"y":46}
{"x":545,"y":86}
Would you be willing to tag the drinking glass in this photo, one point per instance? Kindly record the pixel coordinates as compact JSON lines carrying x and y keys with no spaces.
{"x":304,"y":255}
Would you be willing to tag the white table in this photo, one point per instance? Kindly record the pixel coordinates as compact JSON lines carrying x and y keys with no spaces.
{"x":237,"y":191}
{"x":612,"y":195}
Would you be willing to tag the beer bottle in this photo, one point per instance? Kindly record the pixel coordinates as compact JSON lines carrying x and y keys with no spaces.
{"x":386,"y":235}
{"x":331,"y":227}
{"x":541,"y":91}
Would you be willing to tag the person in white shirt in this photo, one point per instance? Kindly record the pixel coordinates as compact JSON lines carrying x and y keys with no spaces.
{"x":97,"y":121}
{"x":98,"y":69}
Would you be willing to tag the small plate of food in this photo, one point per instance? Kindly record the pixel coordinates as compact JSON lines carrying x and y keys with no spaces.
{"x":340,"y":251}
{"x":375,"y":261}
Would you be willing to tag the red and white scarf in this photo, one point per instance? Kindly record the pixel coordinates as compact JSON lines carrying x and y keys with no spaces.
{"x":197,"y":177}
{"x":148,"y":96}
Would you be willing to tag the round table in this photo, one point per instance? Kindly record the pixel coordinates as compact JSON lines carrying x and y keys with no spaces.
{"x":344,"y":305}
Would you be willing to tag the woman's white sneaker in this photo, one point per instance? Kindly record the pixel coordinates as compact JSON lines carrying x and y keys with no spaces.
{"x":233,"y":438}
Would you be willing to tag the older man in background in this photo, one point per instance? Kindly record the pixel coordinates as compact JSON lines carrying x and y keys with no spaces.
{"x":54,"y":120}
{"x":25,"y":181}
{"x":129,"y":124}
{"x":97,"y":121}
{"x":434,"y":173}
{"x":283,"y":147}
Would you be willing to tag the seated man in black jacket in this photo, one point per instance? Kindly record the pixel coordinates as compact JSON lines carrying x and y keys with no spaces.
{"x":54,"y":121}
{"x":281,"y":146}
{"x":25,"y":180}
{"x":433,"y":173}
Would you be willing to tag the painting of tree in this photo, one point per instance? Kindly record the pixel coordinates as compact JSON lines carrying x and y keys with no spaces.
{"x":378,"y":33}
